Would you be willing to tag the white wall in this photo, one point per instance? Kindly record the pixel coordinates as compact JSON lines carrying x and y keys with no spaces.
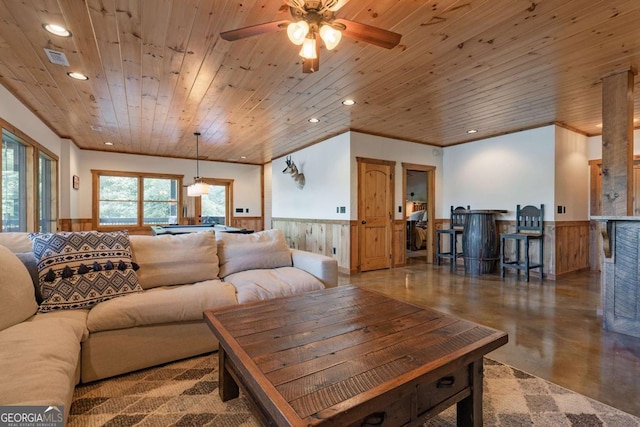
{"x":594,"y":151}
{"x":268,"y":192}
{"x":377,"y":147}
{"x":416,"y":184}
{"x":246,"y":185}
{"x":571,"y":177}
{"x":20,"y":117}
{"x":326,"y":169}
{"x":68,"y":166}
{"x":501,"y":172}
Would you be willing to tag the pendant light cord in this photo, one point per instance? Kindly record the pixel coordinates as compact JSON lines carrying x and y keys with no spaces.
{"x":197,"y":134}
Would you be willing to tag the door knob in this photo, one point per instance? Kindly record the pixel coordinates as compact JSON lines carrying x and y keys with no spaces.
{"x":364,"y":222}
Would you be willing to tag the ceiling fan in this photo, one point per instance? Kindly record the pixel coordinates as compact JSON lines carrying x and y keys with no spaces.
{"x":313,"y":20}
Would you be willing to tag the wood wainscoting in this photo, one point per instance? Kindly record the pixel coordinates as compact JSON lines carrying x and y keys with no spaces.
{"x":399,"y":243}
{"x":566,"y":246}
{"x":75,"y":224}
{"x":319,"y":236}
{"x":255,"y":223}
{"x":572,"y":246}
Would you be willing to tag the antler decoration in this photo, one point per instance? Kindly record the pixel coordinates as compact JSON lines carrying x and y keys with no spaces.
{"x":292,"y":170}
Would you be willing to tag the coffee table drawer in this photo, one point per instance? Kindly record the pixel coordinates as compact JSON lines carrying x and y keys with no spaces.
{"x":421,"y":401}
{"x":430,"y":395}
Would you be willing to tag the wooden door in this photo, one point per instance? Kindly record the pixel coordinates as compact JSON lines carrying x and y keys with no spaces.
{"x":375,"y":213}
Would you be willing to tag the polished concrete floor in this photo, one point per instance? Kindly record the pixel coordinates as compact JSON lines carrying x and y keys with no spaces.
{"x":555,"y":327}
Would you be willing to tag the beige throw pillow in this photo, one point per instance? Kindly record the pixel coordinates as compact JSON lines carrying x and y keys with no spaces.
{"x":175,"y":259}
{"x":17,"y":294}
{"x":16,"y":241}
{"x":241,"y":252}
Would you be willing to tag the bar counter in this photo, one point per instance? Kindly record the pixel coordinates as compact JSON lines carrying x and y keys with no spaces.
{"x":620,"y":273}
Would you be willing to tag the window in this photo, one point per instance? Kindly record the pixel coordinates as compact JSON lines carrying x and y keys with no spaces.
{"x":135,"y":199}
{"x":47,"y":183}
{"x":215,"y":206}
{"x":14,"y":183}
{"x":27,"y":206}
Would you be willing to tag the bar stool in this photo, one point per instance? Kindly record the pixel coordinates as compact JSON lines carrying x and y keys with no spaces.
{"x":529,"y":227}
{"x":457,"y":221}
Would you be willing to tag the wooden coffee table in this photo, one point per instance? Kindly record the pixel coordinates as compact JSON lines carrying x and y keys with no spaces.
{"x":346,"y":355}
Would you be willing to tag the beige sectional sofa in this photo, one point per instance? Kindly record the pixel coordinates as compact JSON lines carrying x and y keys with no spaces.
{"x":43,"y":355}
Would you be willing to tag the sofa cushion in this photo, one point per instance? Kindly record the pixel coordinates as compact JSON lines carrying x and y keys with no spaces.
{"x":77,"y":317}
{"x":259,"y":285}
{"x":80,"y":269}
{"x":175,"y":259}
{"x":16,"y":241}
{"x":161,"y":305}
{"x":31,"y":263}
{"x":38,"y":361}
{"x":17,"y":295}
{"x":241,"y":252}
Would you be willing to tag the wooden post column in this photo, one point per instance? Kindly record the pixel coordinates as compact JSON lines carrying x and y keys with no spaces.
{"x":617,"y":143}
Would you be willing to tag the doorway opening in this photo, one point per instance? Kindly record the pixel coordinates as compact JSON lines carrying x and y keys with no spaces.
{"x":419,"y":209}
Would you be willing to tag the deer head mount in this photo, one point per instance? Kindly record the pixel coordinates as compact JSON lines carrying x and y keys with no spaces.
{"x":292,"y":170}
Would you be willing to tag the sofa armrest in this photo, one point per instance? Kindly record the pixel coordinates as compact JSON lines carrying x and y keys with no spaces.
{"x":321,"y":266}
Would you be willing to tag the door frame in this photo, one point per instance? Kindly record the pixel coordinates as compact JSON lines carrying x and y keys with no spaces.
{"x":192,"y":207}
{"x":431,"y":202}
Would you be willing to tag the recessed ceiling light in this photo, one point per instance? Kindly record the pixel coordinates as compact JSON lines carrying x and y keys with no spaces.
{"x":77,"y":76}
{"x":58,"y":30}
{"x":243,"y":157}
{"x":348,"y":102}
{"x":472,"y":131}
{"x":109,"y":143}
{"x":314,"y":120}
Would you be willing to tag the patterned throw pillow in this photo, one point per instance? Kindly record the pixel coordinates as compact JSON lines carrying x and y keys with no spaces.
{"x":81,"y":269}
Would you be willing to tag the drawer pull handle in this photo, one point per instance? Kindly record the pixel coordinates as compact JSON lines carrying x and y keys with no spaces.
{"x":446,"y":382}
{"x":375,"y":419}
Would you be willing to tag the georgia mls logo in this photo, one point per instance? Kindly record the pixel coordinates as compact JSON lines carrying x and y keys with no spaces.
{"x":31,"y":416}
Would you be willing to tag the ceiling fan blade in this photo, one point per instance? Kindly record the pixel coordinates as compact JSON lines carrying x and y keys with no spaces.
{"x":334,"y":5}
{"x":298,"y":4}
{"x":368,"y":34}
{"x":254,"y":30}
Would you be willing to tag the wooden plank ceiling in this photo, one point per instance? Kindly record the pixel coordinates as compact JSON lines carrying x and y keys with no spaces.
{"x":158,"y":71}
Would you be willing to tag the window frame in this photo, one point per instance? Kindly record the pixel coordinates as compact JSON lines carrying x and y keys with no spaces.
{"x":139,"y":226}
{"x":52,"y":179}
{"x":32,"y":202}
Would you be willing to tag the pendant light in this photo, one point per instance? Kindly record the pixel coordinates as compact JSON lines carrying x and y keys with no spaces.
{"x":198,"y":188}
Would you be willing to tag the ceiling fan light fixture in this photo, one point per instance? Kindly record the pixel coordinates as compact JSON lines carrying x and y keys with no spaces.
{"x":308,"y":50}
{"x":330,"y":36}
{"x":297,"y":32}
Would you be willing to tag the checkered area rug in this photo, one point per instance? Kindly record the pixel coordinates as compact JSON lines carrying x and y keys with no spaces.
{"x":185,"y":393}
